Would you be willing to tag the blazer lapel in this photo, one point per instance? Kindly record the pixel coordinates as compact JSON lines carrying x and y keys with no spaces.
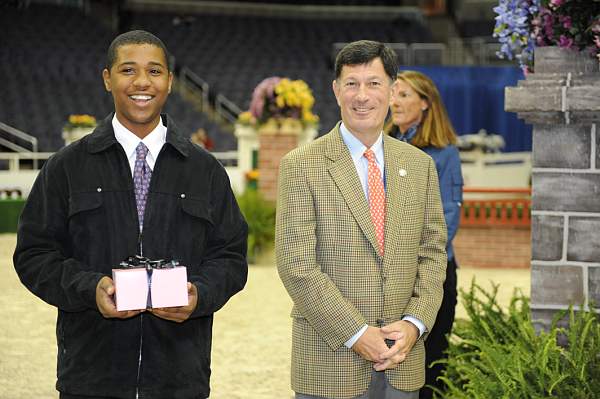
{"x":396,"y":188}
{"x":343,"y":172}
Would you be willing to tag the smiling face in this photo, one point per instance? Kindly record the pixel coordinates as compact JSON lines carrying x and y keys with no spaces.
{"x":140,"y":83}
{"x":363,"y":94}
{"x":406,"y":105}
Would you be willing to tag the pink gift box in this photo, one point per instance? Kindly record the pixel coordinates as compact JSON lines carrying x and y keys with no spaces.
{"x":131,"y":288}
{"x":169,"y":287}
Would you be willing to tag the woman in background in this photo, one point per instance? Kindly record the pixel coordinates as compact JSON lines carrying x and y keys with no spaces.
{"x":420,"y":118}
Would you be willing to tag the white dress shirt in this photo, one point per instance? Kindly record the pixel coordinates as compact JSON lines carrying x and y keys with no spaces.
{"x":129,"y":141}
{"x":357,"y":150}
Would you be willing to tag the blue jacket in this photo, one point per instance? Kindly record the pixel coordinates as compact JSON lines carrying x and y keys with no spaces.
{"x":447,"y":163}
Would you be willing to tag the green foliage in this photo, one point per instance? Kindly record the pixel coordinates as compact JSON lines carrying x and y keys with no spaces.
{"x":260,"y":216}
{"x":499,"y":354}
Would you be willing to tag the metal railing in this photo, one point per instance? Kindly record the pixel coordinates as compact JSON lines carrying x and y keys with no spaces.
{"x":226,"y":109}
{"x":196,"y":84}
{"x":412,"y":53}
{"x":10,"y":135}
{"x":227,"y":158}
{"x":476,"y":51}
{"x":458,"y":51}
{"x":14,"y":159}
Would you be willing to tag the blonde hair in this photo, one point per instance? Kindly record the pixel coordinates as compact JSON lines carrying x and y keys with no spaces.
{"x":435,"y":128}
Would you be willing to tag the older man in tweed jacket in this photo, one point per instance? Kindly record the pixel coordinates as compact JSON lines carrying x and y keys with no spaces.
{"x":365,"y":290}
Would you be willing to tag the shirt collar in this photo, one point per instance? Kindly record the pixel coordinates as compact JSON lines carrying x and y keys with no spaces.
{"x":409,"y":135}
{"x":154,"y":140}
{"x":357,"y":148}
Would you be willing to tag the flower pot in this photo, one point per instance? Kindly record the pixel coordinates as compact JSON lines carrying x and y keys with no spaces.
{"x":270,"y":127}
{"x":75,"y":134}
{"x":554,"y":59}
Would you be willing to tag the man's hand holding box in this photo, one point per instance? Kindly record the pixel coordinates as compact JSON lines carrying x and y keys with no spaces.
{"x":167,"y":286}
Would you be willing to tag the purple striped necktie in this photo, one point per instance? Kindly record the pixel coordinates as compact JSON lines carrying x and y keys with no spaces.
{"x":141,"y":180}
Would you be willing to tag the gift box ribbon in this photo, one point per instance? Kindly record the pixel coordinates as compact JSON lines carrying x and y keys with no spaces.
{"x":138,"y":261}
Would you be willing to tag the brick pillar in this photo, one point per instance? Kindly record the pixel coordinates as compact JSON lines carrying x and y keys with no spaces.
{"x":561,"y":101}
{"x":273,"y":145}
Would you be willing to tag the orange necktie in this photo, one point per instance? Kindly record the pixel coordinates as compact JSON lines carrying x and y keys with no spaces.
{"x":376,"y":198}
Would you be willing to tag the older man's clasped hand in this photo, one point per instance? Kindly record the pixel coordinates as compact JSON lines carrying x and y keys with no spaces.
{"x":372,"y":346}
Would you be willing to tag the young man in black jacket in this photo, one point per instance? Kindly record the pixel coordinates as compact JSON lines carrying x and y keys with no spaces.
{"x":135,"y":185}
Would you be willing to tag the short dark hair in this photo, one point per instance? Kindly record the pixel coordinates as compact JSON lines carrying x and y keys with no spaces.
{"x":134,"y":37}
{"x":363,"y":52}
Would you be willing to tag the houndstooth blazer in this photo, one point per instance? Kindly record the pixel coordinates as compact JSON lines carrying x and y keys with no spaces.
{"x":327,"y":258}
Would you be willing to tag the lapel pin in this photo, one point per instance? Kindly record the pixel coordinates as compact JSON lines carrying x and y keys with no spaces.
{"x":402,"y":172}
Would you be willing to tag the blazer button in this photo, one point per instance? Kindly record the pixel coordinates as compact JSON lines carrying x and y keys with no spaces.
{"x":380,"y":323}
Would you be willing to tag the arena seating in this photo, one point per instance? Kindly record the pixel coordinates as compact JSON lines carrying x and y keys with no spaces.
{"x":234,"y":53}
{"x":475,"y":18}
{"x":329,"y":2}
{"x":52,"y":58}
{"x":56,"y":55}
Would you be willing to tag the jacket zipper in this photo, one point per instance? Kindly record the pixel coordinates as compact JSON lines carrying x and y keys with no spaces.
{"x":140,"y":245}
{"x":137,"y":382}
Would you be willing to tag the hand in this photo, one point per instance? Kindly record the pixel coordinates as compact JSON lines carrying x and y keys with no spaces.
{"x":405,"y":334}
{"x":179,"y":314}
{"x":370,"y":345}
{"x":106,"y":305}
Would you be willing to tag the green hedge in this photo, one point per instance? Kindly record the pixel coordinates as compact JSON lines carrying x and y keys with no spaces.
{"x":260,"y":216}
{"x":10,"y":210}
{"x":499,"y":354}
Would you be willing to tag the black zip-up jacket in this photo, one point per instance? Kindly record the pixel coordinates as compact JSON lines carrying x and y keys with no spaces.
{"x":80,"y":221}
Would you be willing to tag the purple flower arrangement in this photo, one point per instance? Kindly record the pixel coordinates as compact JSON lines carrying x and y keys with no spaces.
{"x":522,"y":25}
{"x":264,"y":94}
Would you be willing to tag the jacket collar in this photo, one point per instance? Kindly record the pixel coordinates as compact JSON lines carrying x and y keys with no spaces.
{"x":103,"y":136}
{"x":335,"y":144}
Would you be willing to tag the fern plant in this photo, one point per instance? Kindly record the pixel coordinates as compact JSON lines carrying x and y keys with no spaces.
{"x":499,"y":354}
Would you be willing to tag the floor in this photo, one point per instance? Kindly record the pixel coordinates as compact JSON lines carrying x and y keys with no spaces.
{"x":251,"y":347}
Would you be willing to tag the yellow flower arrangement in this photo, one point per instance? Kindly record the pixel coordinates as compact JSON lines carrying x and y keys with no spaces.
{"x":276,"y":99}
{"x":77,"y":121}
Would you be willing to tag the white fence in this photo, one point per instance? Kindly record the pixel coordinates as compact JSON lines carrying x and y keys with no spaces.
{"x":18,"y":171}
{"x":479,"y":169}
{"x":497,"y":170}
